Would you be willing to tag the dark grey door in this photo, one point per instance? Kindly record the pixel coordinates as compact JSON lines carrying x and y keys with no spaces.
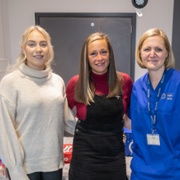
{"x":175,"y":35}
{"x":68,"y":31}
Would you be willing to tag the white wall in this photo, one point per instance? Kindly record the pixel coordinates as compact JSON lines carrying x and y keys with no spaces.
{"x":3,"y":60}
{"x":1,"y":34}
{"x":18,"y":14}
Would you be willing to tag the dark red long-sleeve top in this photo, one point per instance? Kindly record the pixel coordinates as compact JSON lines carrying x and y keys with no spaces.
{"x":101,"y":87}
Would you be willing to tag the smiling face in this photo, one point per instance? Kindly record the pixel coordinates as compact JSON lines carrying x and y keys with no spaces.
{"x":98,"y":55}
{"x":37,"y":51}
{"x":153,"y":53}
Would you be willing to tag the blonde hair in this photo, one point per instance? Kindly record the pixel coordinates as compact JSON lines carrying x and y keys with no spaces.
{"x":84,"y":89}
{"x":22,"y":56}
{"x":169,"y":61}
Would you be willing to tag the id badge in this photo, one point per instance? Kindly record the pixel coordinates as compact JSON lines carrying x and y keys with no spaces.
{"x":153,"y":139}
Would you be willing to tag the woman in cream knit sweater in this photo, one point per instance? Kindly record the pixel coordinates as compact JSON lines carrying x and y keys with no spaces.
{"x":34,"y":112}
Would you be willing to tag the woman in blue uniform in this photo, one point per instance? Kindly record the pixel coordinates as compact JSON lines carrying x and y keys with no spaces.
{"x":155,"y":111}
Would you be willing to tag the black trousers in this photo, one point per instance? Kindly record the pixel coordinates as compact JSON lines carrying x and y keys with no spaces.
{"x":55,"y":175}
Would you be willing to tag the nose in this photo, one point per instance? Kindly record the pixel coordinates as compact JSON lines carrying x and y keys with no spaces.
{"x":38,"y":48}
{"x":152,"y":53}
{"x":99,"y":56}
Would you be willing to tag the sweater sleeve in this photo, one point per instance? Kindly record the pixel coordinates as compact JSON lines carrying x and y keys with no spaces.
{"x":70,"y":90}
{"x":127,"y":88}
{"x":11,"y":151}
{"x":79,"y":108}
{"x":69,"y":118}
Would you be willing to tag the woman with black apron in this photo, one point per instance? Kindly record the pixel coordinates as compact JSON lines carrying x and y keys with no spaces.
{"x":101,"y":97}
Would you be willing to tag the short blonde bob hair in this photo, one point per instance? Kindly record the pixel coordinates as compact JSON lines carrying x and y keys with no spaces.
{"x":169,"y":61}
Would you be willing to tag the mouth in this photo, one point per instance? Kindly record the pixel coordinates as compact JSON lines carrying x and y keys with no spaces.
{"x":153,"y":61}
{"x":38,"y":56}
{"x":99,"y":63}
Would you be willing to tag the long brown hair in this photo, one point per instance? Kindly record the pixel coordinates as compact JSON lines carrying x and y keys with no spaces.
{"x":85,"y":90}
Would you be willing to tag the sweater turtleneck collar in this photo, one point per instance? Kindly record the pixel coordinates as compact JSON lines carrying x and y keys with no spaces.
{"x":99,"y":77}
{"x":100,"y":82}
{"x":33,"y":72}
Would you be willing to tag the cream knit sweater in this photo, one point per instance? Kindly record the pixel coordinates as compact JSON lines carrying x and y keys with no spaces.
{"x":33,"y":116}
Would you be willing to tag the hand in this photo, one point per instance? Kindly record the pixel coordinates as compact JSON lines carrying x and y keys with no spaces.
{"x":127,"y":121}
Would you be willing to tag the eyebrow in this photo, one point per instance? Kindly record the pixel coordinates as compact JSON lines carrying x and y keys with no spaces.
{"x":35,"y":41}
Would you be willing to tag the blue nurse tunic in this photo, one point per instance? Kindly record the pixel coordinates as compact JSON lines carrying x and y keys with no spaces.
{"x":156,"y":162}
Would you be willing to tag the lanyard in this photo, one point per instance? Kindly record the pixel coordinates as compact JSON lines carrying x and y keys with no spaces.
{"x":153,"y":117}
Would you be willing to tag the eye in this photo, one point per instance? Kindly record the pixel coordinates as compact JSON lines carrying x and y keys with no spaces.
{"x":104,"y":53}
{"x":31,"y":44}
{"x":158,"y":49}
{"x":146,"y":49}
{"x":43,"y":44}
{"x":93,"y":54}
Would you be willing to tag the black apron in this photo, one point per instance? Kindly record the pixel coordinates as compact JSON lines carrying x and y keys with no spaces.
{"x":98,"y":148}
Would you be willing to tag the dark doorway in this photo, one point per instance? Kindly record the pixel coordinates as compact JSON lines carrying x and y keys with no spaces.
{"x":176,"y":34}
